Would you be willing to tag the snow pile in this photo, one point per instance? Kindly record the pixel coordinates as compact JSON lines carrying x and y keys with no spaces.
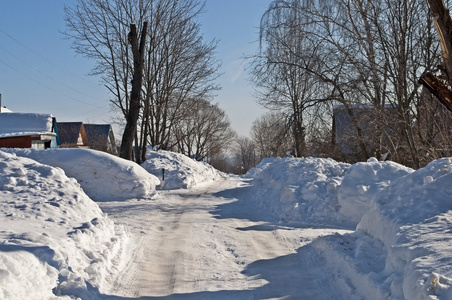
{"x":299,"y":189}
{"x":413,"y":219}
{"x":103,"y":177}
{"x":54,"y":240}
{"x":362,"y":182}
{"x":180,"y":170}
{"x":401,"y":249}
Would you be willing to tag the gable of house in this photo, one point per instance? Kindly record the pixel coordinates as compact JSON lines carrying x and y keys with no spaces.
{"x":345,"y":133}
{"x":101,"y":137}
{"x":72,"y":135}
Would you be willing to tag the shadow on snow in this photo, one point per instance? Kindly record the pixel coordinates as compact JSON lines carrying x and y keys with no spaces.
{"x":308,"y":280}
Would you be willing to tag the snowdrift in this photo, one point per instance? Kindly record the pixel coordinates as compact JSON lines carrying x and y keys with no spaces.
{"x":401,"y":246}
{"x":362,"y":182}
{"x":103,"y":177}
{"x":299,"y":190}
{"x":412,"y":218}
{"x":54,"y":240}
{"x":181,"y":172}
{"x":401,"y":249}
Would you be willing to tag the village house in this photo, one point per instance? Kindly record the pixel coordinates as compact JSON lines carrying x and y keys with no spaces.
{"x":345,"y":134}
{"x":101,"y":137}
{"x":28,"y":130}
{"x":72,"y":135}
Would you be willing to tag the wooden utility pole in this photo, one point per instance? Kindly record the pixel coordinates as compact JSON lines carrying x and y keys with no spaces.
{"x":126,"y":151}
{"x":441,"y":85}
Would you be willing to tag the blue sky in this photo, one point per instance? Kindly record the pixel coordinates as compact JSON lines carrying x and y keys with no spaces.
{"x":39,"y":72}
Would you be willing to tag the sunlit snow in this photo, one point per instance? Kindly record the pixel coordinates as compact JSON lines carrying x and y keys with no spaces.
{"x":291,"y":228}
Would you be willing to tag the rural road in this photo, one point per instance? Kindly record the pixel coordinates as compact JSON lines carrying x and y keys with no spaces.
{"x":210,"y":243}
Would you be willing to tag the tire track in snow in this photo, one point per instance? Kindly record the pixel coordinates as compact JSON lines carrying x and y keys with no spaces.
{"x":187,"y":252}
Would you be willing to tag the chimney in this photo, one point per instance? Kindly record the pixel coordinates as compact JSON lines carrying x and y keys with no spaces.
{"x":0,"y":103}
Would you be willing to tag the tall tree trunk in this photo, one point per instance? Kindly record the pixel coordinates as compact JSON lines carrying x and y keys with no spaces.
{"x":134,"y":108}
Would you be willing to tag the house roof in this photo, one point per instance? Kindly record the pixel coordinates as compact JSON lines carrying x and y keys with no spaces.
{"x":97,"y":132}
{"x":4,"y":109}
{"x":70,"y":132}
{"x":24,"y":124}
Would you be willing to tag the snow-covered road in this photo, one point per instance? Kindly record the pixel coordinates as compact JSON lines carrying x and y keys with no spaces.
{"x":209,"y":243}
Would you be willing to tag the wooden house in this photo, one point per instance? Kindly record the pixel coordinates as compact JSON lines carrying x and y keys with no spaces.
{"x":101,"y":137}
{"x":72,"y":135}
{"x":345,"y":134}
{"x":28,"y":130}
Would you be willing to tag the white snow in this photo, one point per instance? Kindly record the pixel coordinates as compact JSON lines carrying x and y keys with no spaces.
{"x":299,"y":190}
{"x":54,"y":240}
{"x":21,"y":124}
{"x":103,"y":177}
{"x":179,"y":171}
{"x":362,"y":182}
{"x":306,"y":228}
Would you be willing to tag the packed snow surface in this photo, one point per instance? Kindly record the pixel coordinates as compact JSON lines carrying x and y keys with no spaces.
{"x":291,"y":228}
{"x":178,"y":170}
{"x":103,"y":177}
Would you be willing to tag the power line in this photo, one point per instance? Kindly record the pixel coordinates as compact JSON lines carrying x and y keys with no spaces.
{"x":48,"y":60}
{"x":44,"y":74}
{"x":46,"y":86}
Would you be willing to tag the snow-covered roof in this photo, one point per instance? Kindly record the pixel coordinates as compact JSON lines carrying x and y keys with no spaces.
{"x":23,"y":124}
{"x":4,"y":109}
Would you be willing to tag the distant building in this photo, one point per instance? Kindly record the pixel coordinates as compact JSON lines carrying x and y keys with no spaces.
{"x":72,"y":135}
{"x":101,"y":137}
{"x":28,"y":130}
{"x":345,"y":134}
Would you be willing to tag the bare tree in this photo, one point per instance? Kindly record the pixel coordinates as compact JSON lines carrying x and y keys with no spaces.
{"x":271,"y":135}
{"x":282,"y":84}
{"x":182,"y":69}
{"x":368,"y":54}
{"x":135,"y":96}
{"x":245,"y":154}
{"x":204,"y":131}
{"x":178,"y":63}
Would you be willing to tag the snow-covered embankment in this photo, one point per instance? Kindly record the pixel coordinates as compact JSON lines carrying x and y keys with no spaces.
{"x":103,"y":177}
{"x":54,"y":240}
{"x":180,"y":171}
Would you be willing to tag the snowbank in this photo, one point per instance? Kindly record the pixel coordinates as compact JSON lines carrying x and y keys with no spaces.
{"x":401,"y":249}
{"x":413,"y":219}
{"x":299,"y":189}
{"x":54,"y":240}
{"x":180,"y":170}
{"x":362,"y":182}
{"x":103,"y":177}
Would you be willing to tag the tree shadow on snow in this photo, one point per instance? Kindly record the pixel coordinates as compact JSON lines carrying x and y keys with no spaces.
{"x":242,"y":205}
{"x":300,"y":275}
{"x":218,"y":295}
